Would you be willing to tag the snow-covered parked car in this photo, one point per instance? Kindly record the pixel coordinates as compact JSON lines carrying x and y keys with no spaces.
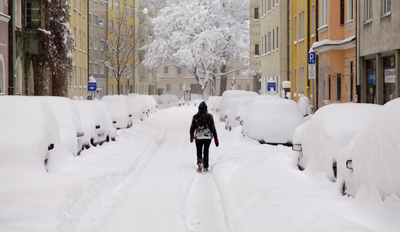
{"x":297,"y":137}
{"x":94,"y":123}
{"x":112,"y":129}
{"x":156,"y":98}
{"x":137,"y":107}
{"x":29,"y":136}
{"x":329,"y":131}
{"x":234,"y":116}
{"x":213,"y":104}
{"x":372,"y":158}
{"x":272,"y":120}
{"x":118,"y":107}
{"x":230,"y":98}
{"x":69,"y":123}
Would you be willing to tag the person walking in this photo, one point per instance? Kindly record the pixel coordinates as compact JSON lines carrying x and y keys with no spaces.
{"x":203,"y":131}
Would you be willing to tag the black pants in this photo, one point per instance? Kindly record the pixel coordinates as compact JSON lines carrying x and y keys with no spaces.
{"x":200,"y":143}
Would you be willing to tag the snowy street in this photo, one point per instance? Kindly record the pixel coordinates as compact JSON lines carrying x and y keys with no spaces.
{"x":147,"y":181}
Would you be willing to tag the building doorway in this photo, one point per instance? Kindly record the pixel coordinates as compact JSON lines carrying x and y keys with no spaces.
{"x":371,"y":81}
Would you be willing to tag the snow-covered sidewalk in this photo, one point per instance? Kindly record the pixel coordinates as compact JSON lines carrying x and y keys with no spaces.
{"x":147,"y":181}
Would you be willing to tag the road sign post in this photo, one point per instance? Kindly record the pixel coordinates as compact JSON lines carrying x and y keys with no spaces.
{"x":311,"y":65}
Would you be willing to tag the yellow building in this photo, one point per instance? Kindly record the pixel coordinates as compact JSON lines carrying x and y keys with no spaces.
{"x":303,"y":33}
{"x":77,"y":84}
{"x":121,"y":17}
{"x":145,"y":79}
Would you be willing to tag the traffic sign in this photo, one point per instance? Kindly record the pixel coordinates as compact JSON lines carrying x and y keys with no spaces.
{"x":311,"y":58}
{"x":271,"y":85}
{"x":92,"y":86}
{"x":311,"y":71}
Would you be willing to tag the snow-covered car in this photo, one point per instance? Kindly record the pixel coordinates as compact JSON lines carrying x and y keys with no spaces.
{"x":329,"y":131}
{"x":94,"y":123}
{"x":112,"y":130}
{"x":69,"y":123}
{"x":230,"y":98}
{"x":272,"y":120}
{"x":29,"y":134}
{"x":213,"y":104}
{"x":137,"y":107}
{"x":372,"y":158}
{"x":234,"y":115}
{"x":297,"y":137}
{"x":118,"y":107}
{"x":156,"y":98}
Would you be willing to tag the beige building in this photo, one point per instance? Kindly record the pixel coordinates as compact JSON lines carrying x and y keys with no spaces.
{"x":173,"y":78}
{"x":274,"y":56}
{"x":255,"y":42}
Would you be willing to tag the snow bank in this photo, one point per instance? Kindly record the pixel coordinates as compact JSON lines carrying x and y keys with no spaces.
{"x":272,"y":119}
{"x":375,"y":153}
{"x":330,"y":130}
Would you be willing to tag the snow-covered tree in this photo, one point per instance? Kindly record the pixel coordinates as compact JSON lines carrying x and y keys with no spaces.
{"x":201,"y":35}
{"x":122,"y":56}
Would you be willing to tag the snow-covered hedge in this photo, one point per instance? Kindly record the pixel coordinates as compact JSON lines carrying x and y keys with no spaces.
{"x":272,"y":119}
{"x":375,"y":154}
{"x":330,"y":130}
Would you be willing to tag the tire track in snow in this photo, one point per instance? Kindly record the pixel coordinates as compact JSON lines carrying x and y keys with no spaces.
{"x":80,"y":212}
{"x":204,"y":205}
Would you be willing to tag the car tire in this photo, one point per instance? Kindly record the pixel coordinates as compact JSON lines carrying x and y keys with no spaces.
{"x":92,"y":142}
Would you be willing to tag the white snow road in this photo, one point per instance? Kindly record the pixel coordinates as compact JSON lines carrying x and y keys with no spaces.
{"x":164,"y":192}
{"x":147,"y":181}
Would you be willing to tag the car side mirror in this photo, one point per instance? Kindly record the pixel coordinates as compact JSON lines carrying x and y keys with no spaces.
{"x":349,"y":164}
{"x":297,"y":147}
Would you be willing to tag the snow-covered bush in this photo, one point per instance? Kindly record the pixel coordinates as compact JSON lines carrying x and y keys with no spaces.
{"x":118,"y":107}
{"x":272,"y":120}
{"x":375,"y":154}
{"x":29,"y":136}
{"x":330,"y":130}
{"x":230,"y":98}
{"x":69,"y":123}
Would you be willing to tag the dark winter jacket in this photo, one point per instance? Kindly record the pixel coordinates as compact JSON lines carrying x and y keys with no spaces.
{"x":203,"y":124}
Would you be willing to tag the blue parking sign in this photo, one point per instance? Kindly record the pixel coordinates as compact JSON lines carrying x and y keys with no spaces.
{"x":92,"y":86}
{"x":311,"y":58}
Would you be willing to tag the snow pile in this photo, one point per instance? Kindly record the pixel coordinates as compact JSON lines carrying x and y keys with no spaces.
{"x":229,"y":100}
{"x":272,"y":119}
{"x":330,"y":130}
{"x":69,"y":122}
{"x":375,"y":153}
{"x":118,"y":107}
{"x":305,"y":106}
{"x":28,"y":128}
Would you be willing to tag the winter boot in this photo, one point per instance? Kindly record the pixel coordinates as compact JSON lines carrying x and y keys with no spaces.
{"x":200,"y":167}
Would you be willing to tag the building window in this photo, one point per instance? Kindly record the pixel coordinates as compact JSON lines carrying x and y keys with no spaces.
{"x":90,"y":67}
{"x":95,"y":67}
{"x":265,"y":44}
{"x":117,"y":10}
{"x":95,"y":44}
{"x":324,"y":13}
{"x":166,"y":70}
{"x":350,"y":10}
{"x":125,"y":29}
{"x":295,"y":81}
{"x":256,"y":13}
{"x":90,"y":18}
{"x":341,"y":12}
{"x":295,"y":29}
{"x":256,"y":50}
{"x":131,"y":11}
{"x":262,"y":44}
{"x":124,"y":14}
{"x":351,"y":80}
{"x":79,"y":40}
{"x":386,"y":6}
{"x":237,"y":72}
{"x":111,"y":6}
{"x":1,"y":11}
{"x":269,"y":41}
{"x":239,"y":87}
{"x":111,"y":89}
{"x":179,"y":70}
{"x":247,"y":87}
{"x":101,"y":68}
{"x":313,"y":20}
{"x":111,"y":26}
{"x":302,"y":25}
{"x":269,"y":5}
{"x":277,"y":38}
{"x":329,"y":88}
{"x":368,"y":9}
{"x":168,"y":87}
{"x":101,"y":22}
{"x":338,"y":86}
{"x":18,"y":15}
{"x":273,"y":39}
{"x":84,"y":42}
